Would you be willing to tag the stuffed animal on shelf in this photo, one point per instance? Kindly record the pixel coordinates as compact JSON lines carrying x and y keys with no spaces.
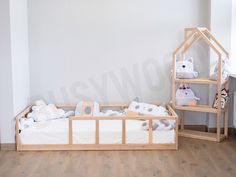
{"x":184,"y":69}
{"x":185,"y":96}
{"x":224,"y":98}
{"x":225,"y":70}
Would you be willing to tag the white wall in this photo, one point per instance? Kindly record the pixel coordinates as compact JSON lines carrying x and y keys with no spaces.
{"x":20,"y":54}
{"x":233,"y":36}
{"x":220,"y":26}
{"x":6,"y":97}
{"x":14,"y":65}
{"x":107,"y":50}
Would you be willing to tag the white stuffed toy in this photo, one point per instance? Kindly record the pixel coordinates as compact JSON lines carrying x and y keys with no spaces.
{"x":26,"y":122}
{"x":151,"y":109}
{"x":184,"y":69}
{"x":225,"y":70}
{"x":185,"y":96}
{"x":93,"y":109}
{"x":42,"y":112}
{"x":145,"y":108}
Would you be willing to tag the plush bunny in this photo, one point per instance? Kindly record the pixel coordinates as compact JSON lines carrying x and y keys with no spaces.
{"x":184,"y":69}
{"x":185,"y":96}
{"x":225,"y":70}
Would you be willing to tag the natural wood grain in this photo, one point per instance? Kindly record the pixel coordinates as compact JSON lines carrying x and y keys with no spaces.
{"x":197,"y":108}
{"x":123,"y":131}
{"x":97,"y":132}
{"x":200,"y":135}
{"x":70,"y":131}
{"x":218,"y":116}
{"x":192,"y":35}
{"x":181,"y":120}
{"x":195,"y":158}
{"x":150,"y":132}
{"x":226,"y":115}
{"x":97,"y":146}
{"x":197,"y":81}
{"x":218,"y":43}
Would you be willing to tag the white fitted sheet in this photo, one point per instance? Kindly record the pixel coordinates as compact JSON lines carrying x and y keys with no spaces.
{"x":56,"y":132}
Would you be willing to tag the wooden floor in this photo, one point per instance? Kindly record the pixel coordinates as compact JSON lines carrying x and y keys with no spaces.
{"x":194,"y":158}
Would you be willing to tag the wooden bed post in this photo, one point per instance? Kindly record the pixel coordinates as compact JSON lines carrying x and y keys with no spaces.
{"x":17,"y":133}
{"x":17,"y":127}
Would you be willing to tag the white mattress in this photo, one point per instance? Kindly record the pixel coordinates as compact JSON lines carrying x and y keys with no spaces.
{"x":56,"y":132}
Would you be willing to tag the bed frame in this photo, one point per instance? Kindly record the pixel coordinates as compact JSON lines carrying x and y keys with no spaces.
{"x":97,"y":146}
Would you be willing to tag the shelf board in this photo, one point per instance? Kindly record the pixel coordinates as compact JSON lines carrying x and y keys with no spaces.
{"x":200,"y":135}
{"x":197,"y":81}
{"x":198,"y":108}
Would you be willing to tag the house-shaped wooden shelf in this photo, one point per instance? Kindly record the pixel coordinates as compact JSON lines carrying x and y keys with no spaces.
{"x":192,"y":35}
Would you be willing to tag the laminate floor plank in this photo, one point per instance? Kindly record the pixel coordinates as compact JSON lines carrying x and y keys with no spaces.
{"x":195,"y":158}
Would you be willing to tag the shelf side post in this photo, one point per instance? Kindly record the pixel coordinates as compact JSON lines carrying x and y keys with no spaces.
{"x":173,"y":81}
{"x":226,"y":114}
{"x":219,"y":79}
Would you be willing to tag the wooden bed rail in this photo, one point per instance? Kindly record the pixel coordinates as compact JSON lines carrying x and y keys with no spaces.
{"x":172,"y":116}
{"x":17,"y":126}
{"x":97,"y":146}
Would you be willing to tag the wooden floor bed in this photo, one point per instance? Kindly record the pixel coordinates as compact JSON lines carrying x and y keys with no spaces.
{"x":97,"y":145}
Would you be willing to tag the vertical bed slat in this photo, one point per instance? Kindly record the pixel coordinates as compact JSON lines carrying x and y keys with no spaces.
{"x":70,"y":131}
{"x":123,"y":131}
{"x":97,"y":132}
{"x":176,"y":131}
{"x":150,"y":132}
